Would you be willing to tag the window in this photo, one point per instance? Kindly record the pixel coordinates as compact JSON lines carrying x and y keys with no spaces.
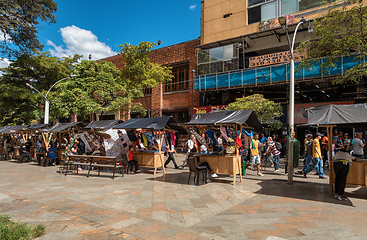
{"x":289,"y":6}
{"x":180,"y":80}
{"x":261,"y":10}
{"x":218,"y":59}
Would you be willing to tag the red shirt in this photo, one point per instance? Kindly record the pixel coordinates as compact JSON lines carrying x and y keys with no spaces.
{"x":130,"y":156}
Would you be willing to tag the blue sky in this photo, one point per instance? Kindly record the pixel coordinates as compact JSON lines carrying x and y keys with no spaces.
{"x":99,"y":27}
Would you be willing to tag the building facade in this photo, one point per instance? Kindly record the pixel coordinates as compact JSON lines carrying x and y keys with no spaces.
{"x":244,"y":50}
{"x":175,"y":98}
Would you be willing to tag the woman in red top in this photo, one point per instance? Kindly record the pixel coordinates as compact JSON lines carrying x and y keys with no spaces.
{"x":132,"y":162}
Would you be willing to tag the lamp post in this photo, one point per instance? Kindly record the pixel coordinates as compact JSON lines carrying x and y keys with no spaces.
{"x":283,"y":22}
{"x":47,"y":102}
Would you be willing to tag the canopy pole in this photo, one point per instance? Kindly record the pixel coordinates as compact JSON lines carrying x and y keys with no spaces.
{"x":331,"y":165}
{"x":239,"y":157}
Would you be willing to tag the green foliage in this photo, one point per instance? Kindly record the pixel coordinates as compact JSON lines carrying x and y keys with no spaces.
{"x":139,"y":72}
{"x":18,"y":103}
{"x":15,"y":230}
{"x":266,"y":110}
{"x":342,"y":31}
{"x":98,"y":87}
{"x":19,"y":24}
{"x":138,"y":69}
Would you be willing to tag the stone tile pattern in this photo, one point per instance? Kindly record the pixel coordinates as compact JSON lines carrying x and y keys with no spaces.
{"x":166,"y":207}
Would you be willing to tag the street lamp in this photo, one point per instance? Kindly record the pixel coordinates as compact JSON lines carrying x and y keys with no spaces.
{"x":47,"y":102}
{"x":283,"y":22}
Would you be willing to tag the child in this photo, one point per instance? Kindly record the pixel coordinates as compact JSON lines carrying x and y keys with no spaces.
{"x":132,"y":162}
{"x":170,"y":151}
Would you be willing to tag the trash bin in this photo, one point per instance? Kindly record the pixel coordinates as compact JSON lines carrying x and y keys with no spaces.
{"x":296,"y":150}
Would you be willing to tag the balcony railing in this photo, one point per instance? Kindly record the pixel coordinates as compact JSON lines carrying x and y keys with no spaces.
{"x":271,"y":74}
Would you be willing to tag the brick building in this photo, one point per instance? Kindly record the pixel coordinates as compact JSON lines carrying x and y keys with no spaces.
{"x":175,"y":98}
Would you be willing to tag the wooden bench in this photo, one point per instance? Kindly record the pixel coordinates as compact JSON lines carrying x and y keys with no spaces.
{"x":76,"y":160}
{"x":91,"y":162}
{"x":105,"y":161}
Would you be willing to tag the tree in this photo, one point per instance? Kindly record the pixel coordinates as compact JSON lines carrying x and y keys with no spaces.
{"x":98,"y":87}
{"x":266,"y":110}
{"x":139,"y":72}
{"x":18,"y":104}
{"x":342,"y":31}
{"x":19,"y":24}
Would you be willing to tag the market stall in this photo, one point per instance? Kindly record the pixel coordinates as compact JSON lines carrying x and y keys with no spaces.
{"x":228,"y":122}
{"x":346,"y":116}
{"x":59,"y":131}
{"x":13,"y":132}
{"x":149,"y":131}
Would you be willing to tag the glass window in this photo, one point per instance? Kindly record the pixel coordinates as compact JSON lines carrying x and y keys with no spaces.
{"x":216,"y":67}
{"x":289,"y":6}
{"x":253,"y":2}
{"x":203,"y":56}
{"x":306,"y":4}
{"x":216,"y":54}
{"x":254,"y":15}
{"x":268,"y":11}
{"x":228,"y":52}
{"x":203,"y":69}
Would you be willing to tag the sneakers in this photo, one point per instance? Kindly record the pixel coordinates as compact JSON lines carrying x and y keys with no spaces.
{"x":138,"y":171}
{"x":214,"y":175}
{"x":305,"y":174}
{"x":276,"y":171}
{"x":260,"y":174}
{"x":344,"y":198}
{"x":208,"y":181}
{"x":337,"y":197}
{"x":79,"y":169}
{"x":317,"y":173}
{"x":322,"y":177}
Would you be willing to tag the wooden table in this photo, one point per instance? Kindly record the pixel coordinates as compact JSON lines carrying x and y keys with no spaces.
{"x":150,"y":159}
{"x":225,"y":165}
{"x":357,"y":175}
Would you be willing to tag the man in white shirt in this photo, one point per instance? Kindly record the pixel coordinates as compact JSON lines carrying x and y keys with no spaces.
{"x":358,"y":146}
{"x":190,"y":145}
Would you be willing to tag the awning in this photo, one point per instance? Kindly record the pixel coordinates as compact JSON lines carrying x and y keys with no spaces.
{"x":12,"y":129}
{"x":60,"y":127}
{"x":157,"y":123}
{"x":243,"y":117}
{"x":353,"y":114}
{"x":36,"y":126}
{"x":103,"y":124}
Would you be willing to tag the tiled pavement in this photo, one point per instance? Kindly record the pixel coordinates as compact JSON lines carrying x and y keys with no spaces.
{"x":142,"y":206}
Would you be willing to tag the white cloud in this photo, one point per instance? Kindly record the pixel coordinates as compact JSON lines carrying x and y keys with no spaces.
{"x":3,"y":64}
{"x":80,"y":41}
{"x":192,"y":7}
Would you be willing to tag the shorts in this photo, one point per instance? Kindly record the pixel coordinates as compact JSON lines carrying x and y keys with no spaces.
{"x":255,"y":159}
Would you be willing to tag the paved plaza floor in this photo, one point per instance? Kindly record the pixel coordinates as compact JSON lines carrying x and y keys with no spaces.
{"x":142,"y":206}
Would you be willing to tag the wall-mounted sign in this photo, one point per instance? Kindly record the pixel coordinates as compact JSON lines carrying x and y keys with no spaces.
{"x":275,"y":58}
{"x":273,"y":23}
{"x":208,"y":109}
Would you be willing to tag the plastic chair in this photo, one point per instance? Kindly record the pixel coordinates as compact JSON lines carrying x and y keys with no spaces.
{"x":197,"y":170}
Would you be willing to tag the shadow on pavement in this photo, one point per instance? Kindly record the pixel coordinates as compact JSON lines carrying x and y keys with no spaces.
{"x":299,"y":190}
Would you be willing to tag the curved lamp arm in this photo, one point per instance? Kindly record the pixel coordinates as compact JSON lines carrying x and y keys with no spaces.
{"x":71,"y":76}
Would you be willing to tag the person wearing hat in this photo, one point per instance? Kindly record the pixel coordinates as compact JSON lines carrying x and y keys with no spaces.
{"x":316,"y":158}
{"x":308,"y":152}
{"x":342,"y":161}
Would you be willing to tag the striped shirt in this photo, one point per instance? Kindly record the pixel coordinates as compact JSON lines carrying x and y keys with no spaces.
{"x":273,"y":148}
